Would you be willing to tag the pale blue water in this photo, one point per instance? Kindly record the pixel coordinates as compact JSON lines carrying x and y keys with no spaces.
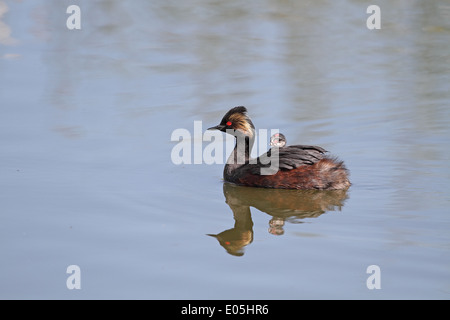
{"x":86,"y":176}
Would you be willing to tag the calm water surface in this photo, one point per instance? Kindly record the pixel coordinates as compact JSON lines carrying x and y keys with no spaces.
{"x":86,"y":175}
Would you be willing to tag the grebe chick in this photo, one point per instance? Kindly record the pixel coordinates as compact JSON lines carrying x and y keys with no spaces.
{"x":278,"y":140}
{"x":296,"y":167}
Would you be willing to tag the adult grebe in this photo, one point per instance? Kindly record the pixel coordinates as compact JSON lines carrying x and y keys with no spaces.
{"x":298,"y":166}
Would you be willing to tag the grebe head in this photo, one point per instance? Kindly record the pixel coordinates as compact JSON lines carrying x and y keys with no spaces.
{"x":236,"y":121}
{"x":278,"y":140}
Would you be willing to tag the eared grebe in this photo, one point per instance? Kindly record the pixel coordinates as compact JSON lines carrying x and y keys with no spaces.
{"x":278,"y":140}
{"x":296,"y":167}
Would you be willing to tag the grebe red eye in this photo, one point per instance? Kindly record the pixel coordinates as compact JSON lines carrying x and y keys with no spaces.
{"x":229,"y":123}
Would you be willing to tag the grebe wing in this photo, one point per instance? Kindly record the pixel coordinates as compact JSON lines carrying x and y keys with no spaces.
{"x":290,"y":157}
{"x":307,"y":147}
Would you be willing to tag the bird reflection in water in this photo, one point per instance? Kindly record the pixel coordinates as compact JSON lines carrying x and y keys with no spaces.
{"x":282,"y":205}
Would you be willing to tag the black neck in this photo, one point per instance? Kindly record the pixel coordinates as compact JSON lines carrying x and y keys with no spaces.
{"x":240,"y":154}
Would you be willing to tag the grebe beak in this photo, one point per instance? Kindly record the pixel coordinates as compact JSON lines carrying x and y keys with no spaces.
{"x":218,"y":127}
{"x":212,"y":235}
